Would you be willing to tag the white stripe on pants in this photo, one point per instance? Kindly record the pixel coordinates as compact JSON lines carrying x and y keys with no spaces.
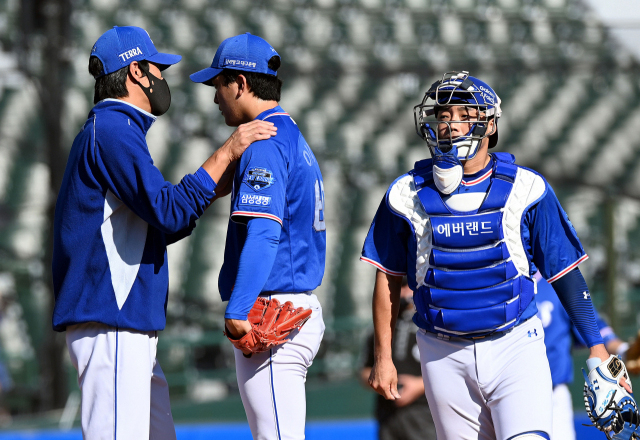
{"x":272,"y":384}
{"x":125,"y":395}
{"x":488,"y":389}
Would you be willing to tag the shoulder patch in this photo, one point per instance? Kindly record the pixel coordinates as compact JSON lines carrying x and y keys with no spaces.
{"x":259,"y":178}
{"x":254,"y":199}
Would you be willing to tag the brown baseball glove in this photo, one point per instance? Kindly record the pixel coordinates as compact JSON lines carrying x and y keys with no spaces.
{"x":633,"y":356}
{"x":271,"y":325}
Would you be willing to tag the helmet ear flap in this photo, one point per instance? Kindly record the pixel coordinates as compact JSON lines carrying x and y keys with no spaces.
{"x":493,"y":137}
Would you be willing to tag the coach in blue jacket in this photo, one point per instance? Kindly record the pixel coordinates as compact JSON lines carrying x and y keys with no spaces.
{"x":115,"y":216}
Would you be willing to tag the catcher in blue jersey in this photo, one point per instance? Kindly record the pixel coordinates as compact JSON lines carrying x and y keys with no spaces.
{"x":469,"y":229}
{"x":275,"y":249}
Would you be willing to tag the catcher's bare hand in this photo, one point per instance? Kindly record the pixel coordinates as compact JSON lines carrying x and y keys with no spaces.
{"x":245,"y":135}
{"x":625,"y":385}
{"x":384,"y":379}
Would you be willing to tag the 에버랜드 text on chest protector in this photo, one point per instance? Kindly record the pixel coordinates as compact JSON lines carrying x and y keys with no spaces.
{"x":472,"y":271}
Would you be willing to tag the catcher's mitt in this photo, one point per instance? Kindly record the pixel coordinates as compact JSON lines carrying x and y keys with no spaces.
{"x":633,"y":356}
{"x":609,"y":406}
{"x":271,"y":324}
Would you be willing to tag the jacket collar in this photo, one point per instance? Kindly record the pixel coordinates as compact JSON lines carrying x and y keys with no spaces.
{"x":136,"y":115}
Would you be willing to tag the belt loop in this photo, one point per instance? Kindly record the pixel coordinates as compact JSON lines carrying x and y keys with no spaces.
{"x":443,"y":337}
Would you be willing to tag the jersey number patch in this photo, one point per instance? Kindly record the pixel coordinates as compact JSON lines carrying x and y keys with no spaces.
{"x":318,"y":220}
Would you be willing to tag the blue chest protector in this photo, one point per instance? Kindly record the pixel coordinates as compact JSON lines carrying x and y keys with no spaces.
{"x":472,"y":270}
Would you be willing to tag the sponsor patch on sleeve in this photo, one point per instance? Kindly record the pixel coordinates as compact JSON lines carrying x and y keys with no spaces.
{"x":254,"y":199}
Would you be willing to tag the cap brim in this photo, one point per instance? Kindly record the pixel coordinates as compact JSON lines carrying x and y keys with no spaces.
{"x":204,"y":75}
{"x":164,"y":59}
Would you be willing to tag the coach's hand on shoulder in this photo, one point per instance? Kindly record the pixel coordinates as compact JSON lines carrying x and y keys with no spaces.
{"x":384,"y":379}
{"x":245,"y":135}
{"x":233,"y":148}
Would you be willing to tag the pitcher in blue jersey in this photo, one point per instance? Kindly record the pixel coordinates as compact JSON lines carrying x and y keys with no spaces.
{"x":276,"y":235}
{"x":115,"y":216}
{"x":469,"y":229}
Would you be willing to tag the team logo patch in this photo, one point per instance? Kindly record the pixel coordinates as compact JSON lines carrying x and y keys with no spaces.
{"x":259,"y":178}
{"x":254,"y":199}
{"x":615,"y":367}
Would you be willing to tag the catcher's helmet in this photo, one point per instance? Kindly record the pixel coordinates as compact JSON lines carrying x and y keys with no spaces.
{"x":459,"y":89}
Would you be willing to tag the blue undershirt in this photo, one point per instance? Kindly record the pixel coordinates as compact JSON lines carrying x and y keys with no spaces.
{"x":253,"y":272}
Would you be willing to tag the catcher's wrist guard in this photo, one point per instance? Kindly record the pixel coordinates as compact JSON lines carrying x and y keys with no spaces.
{"x":271,"y":325}
{"x":609,"y":406}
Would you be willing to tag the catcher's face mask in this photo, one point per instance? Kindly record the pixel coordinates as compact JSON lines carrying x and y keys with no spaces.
{"x":453,"y":119}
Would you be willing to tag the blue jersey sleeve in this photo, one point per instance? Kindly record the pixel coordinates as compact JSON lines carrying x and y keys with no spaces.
{"x":386,"y":244}
{"x":128,"y":170}
{"x":263,"y":237}
{"x":553,"y":243}
{"x":260,"y":183}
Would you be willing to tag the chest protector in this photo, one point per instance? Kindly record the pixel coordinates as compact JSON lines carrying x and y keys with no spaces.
{"x":472,"y":270}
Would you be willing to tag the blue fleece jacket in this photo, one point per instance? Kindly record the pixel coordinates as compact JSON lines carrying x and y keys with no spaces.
{"x":115,"y":216}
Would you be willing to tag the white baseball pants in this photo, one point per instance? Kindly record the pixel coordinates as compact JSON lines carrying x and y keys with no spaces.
{"x":488,"y":389}
{"x":124,"y":392}
{"x":563,"y":428}
{"x":272,"y":384}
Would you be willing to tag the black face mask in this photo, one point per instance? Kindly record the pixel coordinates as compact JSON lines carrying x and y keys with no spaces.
{"x":158,"y":93}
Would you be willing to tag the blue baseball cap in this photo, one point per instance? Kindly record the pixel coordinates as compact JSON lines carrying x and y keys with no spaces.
{"x":120,"y":46}
{"x":243,"y":52}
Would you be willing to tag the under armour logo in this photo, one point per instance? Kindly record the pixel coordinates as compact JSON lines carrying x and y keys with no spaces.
{"x":595,"y":384}
{"x":534,"y":333}
{"x":587,"y":295}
